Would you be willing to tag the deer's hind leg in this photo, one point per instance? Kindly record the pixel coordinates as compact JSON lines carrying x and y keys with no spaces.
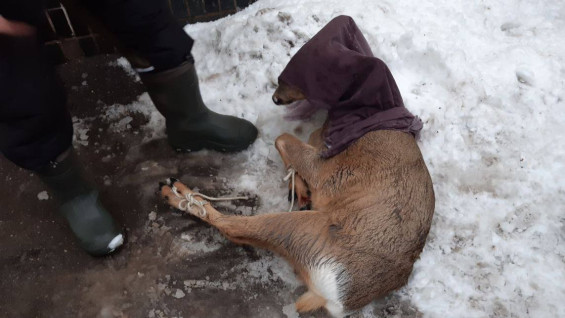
{"x":301,"y":237}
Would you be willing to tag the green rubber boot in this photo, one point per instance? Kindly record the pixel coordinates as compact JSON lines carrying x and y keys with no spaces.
{"x":91,"y":223}
{"x":191,"y":126}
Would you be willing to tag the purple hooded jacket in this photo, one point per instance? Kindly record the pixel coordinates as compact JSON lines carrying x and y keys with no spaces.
{"x":337,"y":71}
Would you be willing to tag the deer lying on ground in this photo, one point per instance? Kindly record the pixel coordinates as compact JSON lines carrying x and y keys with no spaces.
{"x":371,"y":208}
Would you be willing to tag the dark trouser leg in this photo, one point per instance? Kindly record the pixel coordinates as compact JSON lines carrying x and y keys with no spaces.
{"x":148,"y":28}
{"x":36,"y":133}
{"x":35,"y":126}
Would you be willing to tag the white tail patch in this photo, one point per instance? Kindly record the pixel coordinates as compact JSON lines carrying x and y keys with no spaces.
{"x":329,"y":279}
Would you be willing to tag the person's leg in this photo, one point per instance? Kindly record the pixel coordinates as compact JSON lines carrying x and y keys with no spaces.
{"x":161,"y":55}
{"x":147,"y":28}
{"x":35,"y":126}
{"x":36,"y":131}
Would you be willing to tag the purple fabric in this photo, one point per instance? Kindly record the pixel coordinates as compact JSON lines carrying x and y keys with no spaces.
{"x":337,"y":71}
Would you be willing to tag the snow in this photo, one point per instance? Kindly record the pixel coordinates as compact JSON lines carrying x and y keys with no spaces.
{"x":118,"y":116}
{"x":179,"y":294}
{"x":43,"y":195}
{"x":123,"y":63}
{"x":290,"y":311}
{"x":486,"y":77}
{"x":80,"y":127}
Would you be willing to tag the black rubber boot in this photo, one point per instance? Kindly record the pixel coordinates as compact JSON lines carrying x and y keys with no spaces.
{"x":191,"y":126}
{"x":90,"y":222}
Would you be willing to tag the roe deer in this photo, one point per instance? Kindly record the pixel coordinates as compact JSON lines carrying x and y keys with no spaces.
{"x":369,"y":205}
{"x":371,"y":210}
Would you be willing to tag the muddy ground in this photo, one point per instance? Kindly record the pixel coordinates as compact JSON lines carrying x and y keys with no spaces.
{"x":171,"y":265}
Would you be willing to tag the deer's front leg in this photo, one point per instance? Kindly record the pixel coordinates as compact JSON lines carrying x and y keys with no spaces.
{"x":301,"y":193}
{"x":305,"y":160}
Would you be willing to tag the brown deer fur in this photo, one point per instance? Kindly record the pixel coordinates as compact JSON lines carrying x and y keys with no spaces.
{"x":371,"y":210}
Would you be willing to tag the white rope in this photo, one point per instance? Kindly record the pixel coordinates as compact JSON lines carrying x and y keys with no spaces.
{"x":189,"y":201}
{"x":290,"y":175}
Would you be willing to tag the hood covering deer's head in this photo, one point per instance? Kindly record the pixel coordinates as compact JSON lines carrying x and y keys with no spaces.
{"x":336,"y":71}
